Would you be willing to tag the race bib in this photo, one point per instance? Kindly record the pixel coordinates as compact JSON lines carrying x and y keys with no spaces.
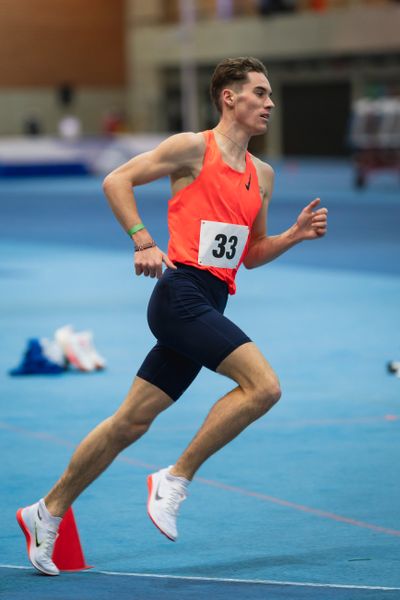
{"x":221,"y":244}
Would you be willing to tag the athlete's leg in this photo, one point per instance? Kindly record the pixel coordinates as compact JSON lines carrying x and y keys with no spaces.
{"x":94,"y":454}
{"x":257,"y":391}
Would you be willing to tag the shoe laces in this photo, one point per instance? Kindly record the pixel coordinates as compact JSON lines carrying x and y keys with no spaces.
{"x":175,"y":497}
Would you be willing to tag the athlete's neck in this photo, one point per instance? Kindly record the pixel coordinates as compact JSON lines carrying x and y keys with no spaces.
{"x":232,"y":138}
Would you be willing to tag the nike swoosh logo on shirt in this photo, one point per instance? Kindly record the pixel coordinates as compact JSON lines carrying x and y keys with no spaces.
{"x":247,"y":185}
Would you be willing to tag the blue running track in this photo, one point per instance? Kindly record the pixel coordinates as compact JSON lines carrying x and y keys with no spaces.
{"x":305,"y":503}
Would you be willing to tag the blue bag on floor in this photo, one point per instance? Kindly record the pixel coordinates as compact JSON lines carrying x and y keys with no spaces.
{"x":34,"y":362}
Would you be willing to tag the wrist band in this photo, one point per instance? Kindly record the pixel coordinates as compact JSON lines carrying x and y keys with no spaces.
{"x":141,"y":247}
{"x":135,"y":229}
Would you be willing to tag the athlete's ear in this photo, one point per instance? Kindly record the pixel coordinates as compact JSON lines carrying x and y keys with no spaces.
{"x":227,"y":96}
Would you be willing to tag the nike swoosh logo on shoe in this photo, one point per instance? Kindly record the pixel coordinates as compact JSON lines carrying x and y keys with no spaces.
{"x":38,"y":544}
{"x":157,"y":495}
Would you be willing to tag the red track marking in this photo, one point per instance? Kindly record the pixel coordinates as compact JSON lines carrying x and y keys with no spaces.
{"x":301,"y":507}
{"x":218,"y":485}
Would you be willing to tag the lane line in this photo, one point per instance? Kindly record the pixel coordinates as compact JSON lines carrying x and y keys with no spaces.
{"x":228,"y":580}
{"x":251,"y":581}
{"x":222,"y":486}
{"x":15,"y":567}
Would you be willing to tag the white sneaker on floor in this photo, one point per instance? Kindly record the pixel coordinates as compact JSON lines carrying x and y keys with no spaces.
{"x":53,"y":352}
{"x":166,"y":493}
{"x":75,"y":352}
{"x":40,"y":537}
{"x":85,"y":338}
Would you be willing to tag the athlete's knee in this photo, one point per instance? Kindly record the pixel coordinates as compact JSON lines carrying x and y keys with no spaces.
{"x":125,"y":431}
{"x":273,"y":391}
{"x":266,"y":391}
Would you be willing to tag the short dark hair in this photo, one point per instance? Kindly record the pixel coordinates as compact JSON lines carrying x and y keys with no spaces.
{"x":233,"y":70}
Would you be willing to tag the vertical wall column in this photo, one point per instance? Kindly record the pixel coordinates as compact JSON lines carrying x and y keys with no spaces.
{"x":188,"y":66}
{"x":274,"y":145}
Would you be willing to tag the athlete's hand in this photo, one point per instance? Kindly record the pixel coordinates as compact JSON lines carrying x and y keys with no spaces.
{"x":312,"y":223}
{"x":149,"y":262}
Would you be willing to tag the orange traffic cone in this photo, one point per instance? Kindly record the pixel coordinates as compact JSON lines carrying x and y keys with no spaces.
{"x":68,"y":553}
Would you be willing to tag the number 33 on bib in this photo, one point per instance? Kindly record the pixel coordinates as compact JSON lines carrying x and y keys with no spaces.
{"x":221,"y":244}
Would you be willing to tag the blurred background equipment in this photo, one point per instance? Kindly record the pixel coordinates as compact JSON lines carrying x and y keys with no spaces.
{"x":66,"y":94}
{"x":100,"y":70}
{"x":375,"y":136}
{"x":394,"y":367}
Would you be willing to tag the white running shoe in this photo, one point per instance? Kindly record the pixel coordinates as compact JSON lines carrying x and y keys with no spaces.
{"x":75,"y":352}
{"x":85,"y":338}
{"x":166,"y":493}
{"x":53,"y":352}
{"x":40,"y":537}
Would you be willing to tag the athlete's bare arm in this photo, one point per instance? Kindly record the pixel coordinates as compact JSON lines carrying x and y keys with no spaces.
{"x":179,"y":157}
{"x":310,"y":224}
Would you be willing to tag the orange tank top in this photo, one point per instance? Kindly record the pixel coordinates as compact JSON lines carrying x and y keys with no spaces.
{"x":210,"y":220}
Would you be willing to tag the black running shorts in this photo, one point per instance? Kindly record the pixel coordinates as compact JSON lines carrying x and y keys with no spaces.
{"x":185,"y":314}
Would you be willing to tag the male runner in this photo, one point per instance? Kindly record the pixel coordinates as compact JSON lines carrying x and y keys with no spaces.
{"x":217,"y":220}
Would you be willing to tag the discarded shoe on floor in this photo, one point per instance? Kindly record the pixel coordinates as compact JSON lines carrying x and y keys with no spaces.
{"x":78,"y":349}
{"x":69,"y":349}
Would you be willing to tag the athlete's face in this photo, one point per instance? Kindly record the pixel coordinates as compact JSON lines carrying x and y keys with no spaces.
{"x":252,"y":103}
